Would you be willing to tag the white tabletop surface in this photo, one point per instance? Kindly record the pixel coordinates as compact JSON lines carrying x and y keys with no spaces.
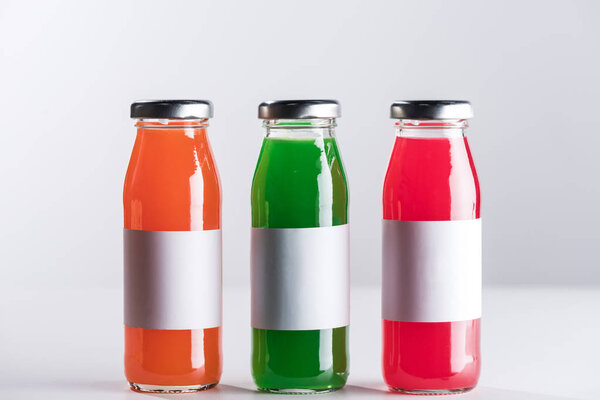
{"x":537,"y":343}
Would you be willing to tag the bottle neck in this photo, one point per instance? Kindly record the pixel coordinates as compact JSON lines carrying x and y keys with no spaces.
{"x":300,"y":128}
{"x":438,"y":128}
{"x":189,"y":127}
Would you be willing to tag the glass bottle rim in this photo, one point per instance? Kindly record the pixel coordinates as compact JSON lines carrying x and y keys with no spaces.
{"x":171,"y":123}
{"x":299,"y":123}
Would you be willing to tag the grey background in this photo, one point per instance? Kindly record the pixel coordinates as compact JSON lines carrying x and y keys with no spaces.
{"x":71,"y":69}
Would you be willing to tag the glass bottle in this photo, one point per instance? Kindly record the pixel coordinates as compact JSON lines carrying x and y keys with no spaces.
{"x":431,"y":252}
{"x":172,"y":244}
{"x":299,"y":261}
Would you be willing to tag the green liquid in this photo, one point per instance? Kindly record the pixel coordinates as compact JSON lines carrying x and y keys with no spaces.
{"x":299,"y":183}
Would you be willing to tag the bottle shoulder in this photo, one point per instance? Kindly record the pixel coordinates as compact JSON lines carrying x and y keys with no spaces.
{"x":431,"y":180}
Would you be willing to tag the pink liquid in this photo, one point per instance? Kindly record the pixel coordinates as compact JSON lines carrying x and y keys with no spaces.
{"x":431,"y":179}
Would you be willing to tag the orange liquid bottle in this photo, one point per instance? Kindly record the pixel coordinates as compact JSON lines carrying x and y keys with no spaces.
{"x":172,"y":245}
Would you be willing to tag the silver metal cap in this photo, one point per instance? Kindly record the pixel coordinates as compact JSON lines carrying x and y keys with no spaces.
{"x":431,"y":109}
{"x":172,"y":109}
{"x":299,"y":109}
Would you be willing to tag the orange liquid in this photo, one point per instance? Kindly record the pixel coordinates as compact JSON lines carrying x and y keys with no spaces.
{"x":172,"y":185}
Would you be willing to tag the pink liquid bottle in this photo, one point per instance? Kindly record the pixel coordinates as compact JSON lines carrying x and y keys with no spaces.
{"x":431,"y":294}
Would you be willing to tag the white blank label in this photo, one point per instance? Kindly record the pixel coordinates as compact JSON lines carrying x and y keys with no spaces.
{"x":172,"y":279}
{"x":431,"y":270}
{"x":300,"y":278}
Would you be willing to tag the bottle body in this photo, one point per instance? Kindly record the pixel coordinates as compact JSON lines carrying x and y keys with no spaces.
{"x":299,"y":188}
{"x":172,"y":191}
{"x":431,"y":183}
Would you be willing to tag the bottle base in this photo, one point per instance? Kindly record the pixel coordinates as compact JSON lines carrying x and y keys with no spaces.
{"x":141,"y":387}
{"x":298,"y":391}
{"x":429,"y":392}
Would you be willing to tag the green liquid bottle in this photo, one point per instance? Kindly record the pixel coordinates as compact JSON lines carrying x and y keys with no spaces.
{"x":300,"y":278}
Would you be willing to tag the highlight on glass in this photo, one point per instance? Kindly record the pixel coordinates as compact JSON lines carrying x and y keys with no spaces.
{"x":431,"y":252}
{"x":172,"y":250}
{"x":299,"y":251}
